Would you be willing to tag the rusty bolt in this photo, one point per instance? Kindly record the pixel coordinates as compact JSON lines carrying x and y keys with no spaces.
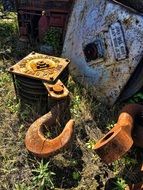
{"x":58,"y":89}
{"x":119,"y":140}
{"x":36,"y":142}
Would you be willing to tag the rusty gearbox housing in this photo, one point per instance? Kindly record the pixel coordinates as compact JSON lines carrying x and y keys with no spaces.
{"x":38,"y":80}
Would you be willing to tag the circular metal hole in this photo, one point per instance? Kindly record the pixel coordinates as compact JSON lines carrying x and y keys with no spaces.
{"x":107,"y":136}
{"x":33,"y":53}
{"x":11,"y":69}
{"x":67,"y":60}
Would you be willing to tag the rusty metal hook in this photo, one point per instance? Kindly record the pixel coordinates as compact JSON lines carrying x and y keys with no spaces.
{"x":119,"y":139}
{"x":36,"y":142}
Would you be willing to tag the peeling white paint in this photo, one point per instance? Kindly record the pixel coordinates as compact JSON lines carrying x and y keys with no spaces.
{"x":95,"y":17}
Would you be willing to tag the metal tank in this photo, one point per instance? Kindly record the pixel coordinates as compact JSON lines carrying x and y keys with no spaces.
{"x":104,"y":42}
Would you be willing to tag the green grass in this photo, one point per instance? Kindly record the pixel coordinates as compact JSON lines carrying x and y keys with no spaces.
{"x":43,"y":176}
{"x":120,"y":184}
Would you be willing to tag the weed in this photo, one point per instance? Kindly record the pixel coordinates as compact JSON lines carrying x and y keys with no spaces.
{"x":76,"y":175}
{"x":21,"y":187}
{"x":4,"y":79}
{"x":53,"y":38}
{"x":12,"y":104}
{"x":90,"y":144}
{"x":43,"y":176}
{"x":120,"y":184}
{"x":119,"y":165}
{"x":28,"y":113}
{"x":75,"y":110}
{"x":138,"y":97}
{"x":110,"y":125}
{"x":8,"y":29}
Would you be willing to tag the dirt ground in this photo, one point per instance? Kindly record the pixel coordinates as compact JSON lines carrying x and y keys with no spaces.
{"x":76,"y":168}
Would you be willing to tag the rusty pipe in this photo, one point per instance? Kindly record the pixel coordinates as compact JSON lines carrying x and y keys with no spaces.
{"x":39,"y":145}
{"x":119,"y":139}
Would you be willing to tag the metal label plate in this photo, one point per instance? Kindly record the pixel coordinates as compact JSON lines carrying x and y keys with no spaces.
{"x":118,"y":41}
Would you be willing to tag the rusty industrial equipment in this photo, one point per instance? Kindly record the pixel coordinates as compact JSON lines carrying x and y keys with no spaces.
{"x":43,"y":147}
{"x":119,"y":139}
{"x":33,"y":23}
{"x":34,"y":73}
{"x":106,"y":49}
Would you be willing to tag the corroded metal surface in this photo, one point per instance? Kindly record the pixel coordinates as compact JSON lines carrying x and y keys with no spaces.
{"x":39,"y":145}
{"x":119,"y":139}
{"x":117,"y":35}
{"x":57,"y":91}
{"x":40,"y":66}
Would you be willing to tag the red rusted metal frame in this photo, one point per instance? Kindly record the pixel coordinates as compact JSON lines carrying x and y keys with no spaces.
{"x":62,"y":23}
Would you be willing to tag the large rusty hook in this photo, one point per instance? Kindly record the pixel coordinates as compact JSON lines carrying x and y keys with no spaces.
{"x":36,"y":142}
{"x":119,"y":139}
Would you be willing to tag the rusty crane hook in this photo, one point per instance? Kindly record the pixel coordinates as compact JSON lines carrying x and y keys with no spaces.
{"x":119,"y":139}
{"x":39,"y":145}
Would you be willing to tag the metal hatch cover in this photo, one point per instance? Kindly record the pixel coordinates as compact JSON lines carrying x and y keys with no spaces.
{"x":121,"y":34}
{"x":40,"y":66}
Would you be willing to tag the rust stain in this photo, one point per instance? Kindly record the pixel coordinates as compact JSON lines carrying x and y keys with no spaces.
{"x":127,"y":22}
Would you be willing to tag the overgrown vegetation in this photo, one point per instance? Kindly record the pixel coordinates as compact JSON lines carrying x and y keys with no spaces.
{"x":77,"y":167}
{"x":53,"y":38}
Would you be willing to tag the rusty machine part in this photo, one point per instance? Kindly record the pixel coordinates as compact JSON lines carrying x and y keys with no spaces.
{"x":39,"y":145}
{"x":119,"y":139}
{"x":58,"y":93}
{"x":31,"y":73}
